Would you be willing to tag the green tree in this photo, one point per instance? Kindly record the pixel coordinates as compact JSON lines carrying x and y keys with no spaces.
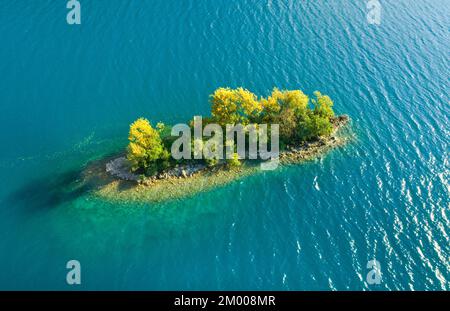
{"x":312,"y":126}
{"x":287,"y":119}
{"x":323,"y":105}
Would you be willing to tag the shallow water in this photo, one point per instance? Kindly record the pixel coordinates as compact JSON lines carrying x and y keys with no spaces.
{"x":68,"y":94}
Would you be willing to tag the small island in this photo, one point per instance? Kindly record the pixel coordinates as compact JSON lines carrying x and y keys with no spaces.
{"x":300,"y":128}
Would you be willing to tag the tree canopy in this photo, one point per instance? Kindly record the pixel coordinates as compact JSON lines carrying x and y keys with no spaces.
{"x":232,"y":106}
{"x":145,"y":146}
{"x":299,"y":120}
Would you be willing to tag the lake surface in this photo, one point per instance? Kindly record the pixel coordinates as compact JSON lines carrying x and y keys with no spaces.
{"x":69,"y":93}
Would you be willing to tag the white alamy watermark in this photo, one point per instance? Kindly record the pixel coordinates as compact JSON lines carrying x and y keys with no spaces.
{"x":73,"y":277}
{"x":374,"y":12}
{"x":247,"y":141}
{"x":374,"y":275}
{"x":74,"y":15}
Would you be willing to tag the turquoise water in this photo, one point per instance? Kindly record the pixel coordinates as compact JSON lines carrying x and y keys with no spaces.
{"x":68,"y":94}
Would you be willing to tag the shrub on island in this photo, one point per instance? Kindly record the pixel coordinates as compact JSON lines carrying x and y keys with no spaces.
{"x":234,"y":161}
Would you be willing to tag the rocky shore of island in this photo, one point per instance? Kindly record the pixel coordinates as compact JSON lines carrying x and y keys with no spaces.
{"x":120,"y":168}
{"x":309,"y":150}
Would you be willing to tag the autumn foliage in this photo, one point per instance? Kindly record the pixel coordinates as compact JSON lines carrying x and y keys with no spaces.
{"x":299,"y":118}
{"x":145,"y":148}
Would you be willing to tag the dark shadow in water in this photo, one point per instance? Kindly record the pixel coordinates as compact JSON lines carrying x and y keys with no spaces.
{"x":49,"y":192}
{"x":57,"y":189}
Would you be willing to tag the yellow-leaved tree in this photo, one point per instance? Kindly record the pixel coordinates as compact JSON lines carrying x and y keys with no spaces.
{"x":145,"y":146}
{"x":295,"y":100}
{"x":232,"y":106}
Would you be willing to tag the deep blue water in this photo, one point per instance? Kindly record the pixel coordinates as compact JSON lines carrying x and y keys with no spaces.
{"x":68,"y":94}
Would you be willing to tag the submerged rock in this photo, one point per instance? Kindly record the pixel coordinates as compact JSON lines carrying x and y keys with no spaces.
{"x":120,"y":168}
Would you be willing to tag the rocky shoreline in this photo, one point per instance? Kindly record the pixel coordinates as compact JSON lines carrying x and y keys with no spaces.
{"x":119,"y":167}
{"x":308,"y":150}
